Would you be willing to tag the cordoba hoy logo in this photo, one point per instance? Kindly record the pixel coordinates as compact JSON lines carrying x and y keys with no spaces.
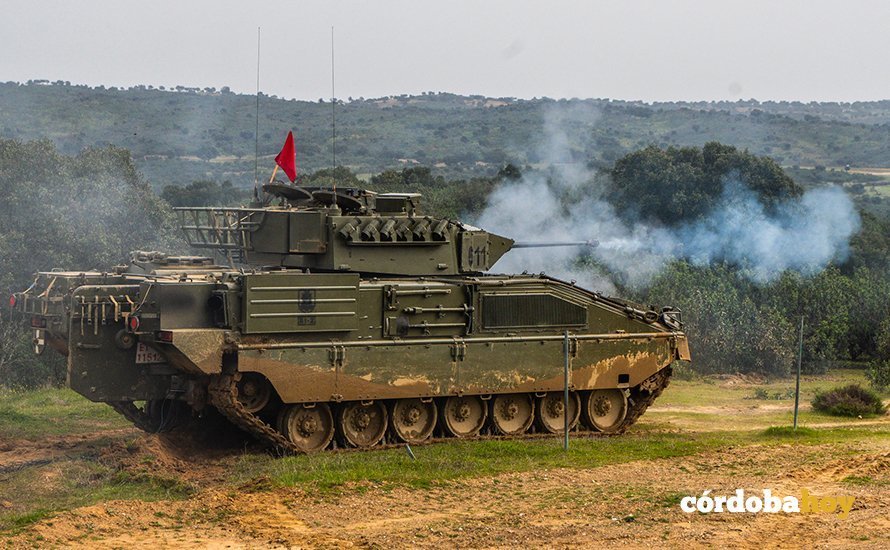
{"x":768,"y":503}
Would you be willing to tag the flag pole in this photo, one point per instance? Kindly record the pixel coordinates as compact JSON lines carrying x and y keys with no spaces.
{"x":273,"y":174}
{"x":256,"y":135}
{"x":333,"y":119}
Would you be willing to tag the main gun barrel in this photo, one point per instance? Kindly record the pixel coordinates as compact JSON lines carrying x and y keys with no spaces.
{"x":547,"y":244}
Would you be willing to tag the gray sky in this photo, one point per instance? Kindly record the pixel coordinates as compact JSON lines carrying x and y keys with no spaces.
{"x":686,"y":50}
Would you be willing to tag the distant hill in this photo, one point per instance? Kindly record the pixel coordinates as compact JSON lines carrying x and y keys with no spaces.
{"x":186,"y":134}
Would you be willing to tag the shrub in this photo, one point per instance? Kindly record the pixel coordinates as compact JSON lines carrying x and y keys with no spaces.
{"x":761,"y":393}
{"x":852,"y":400}
{"x":19,"y":366}
{"x":683,"y":371}
{"x":878,"y":374}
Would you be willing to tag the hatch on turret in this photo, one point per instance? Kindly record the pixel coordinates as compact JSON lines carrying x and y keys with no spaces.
{"x":398,"y":203}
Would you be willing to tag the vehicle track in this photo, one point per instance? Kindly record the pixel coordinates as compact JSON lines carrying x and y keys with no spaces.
{"x":223,"y":395}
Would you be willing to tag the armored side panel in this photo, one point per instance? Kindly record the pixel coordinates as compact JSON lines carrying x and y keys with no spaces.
{"x":293,"y":302}
{"x":388,"y":339}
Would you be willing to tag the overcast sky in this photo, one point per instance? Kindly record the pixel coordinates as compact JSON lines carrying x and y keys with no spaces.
{"x":657,"y":50}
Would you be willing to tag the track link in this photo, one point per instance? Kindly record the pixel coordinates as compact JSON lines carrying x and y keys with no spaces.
{"x":642,"y":397}
{"x":223,"y":393}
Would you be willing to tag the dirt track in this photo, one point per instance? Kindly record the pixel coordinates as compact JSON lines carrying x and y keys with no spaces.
{"x":631,"y":504}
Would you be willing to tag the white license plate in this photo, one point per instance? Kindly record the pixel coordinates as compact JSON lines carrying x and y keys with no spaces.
{"x":147,"y":354}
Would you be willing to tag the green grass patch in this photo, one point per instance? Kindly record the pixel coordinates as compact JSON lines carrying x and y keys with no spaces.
{"x":858,"y":480}
{"x":455,"y":460}
{"x":711,"y":404}
{"x":39,"y":492}
{"x":713,"y":392}
{"x":48,"y":412}
{"x":765,"y":394}
{"x":668,"y":500}
{"x":16,"y":523}
{"x":758,"y":418}
{"x":789,"y":432}
{"x":471,"y":459}
{"x":879,"y":190}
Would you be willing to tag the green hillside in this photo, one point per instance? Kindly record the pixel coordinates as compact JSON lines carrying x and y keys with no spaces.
{"x":178,"y":136}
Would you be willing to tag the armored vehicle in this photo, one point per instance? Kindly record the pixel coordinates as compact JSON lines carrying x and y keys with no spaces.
{"x":348,"y":318}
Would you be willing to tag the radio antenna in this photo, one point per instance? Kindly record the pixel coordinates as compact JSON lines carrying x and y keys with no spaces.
{"x":256,"y":135}
{"x":333,"y":118}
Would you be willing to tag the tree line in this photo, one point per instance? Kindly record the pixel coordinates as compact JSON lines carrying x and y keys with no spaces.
{"x":187,"y":134}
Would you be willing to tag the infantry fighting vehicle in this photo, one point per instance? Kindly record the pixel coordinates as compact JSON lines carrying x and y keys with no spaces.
{"x":350,"y":317}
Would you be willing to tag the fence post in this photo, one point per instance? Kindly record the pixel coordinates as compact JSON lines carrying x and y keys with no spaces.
{"x":565,"y":414}
{"x":797,"y":383}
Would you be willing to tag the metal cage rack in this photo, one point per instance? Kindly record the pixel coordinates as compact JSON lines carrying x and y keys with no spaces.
{"x":226,"y":230}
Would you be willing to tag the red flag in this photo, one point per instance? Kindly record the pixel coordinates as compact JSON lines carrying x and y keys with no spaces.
{"x":287,"y":158}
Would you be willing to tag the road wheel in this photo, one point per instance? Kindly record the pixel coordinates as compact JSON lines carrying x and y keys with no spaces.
{"x":512,"y":414}
{"x":363,"y":424}
{"x":464,"y":416}
{"x":551,"y":411}
{"x":413,"y":420}
{"x":254,"y":392}
{"x":310,"y":429}
{"x":605,"y":410}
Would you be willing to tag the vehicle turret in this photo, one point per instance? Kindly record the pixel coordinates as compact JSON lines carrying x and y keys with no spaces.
{"x":347,"y":230}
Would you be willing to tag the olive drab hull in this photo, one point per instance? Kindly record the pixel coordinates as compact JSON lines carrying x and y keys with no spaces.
{"x":376,"y":326}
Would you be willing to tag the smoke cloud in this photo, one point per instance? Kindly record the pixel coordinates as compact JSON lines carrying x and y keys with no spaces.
{"x":802,"y":234}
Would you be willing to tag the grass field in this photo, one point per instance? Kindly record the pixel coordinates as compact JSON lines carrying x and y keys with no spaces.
{"x":49,"y":412}
{"x":60,"y":452}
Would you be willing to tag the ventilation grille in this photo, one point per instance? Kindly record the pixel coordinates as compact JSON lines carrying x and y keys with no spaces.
{"x":530,"y":311}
